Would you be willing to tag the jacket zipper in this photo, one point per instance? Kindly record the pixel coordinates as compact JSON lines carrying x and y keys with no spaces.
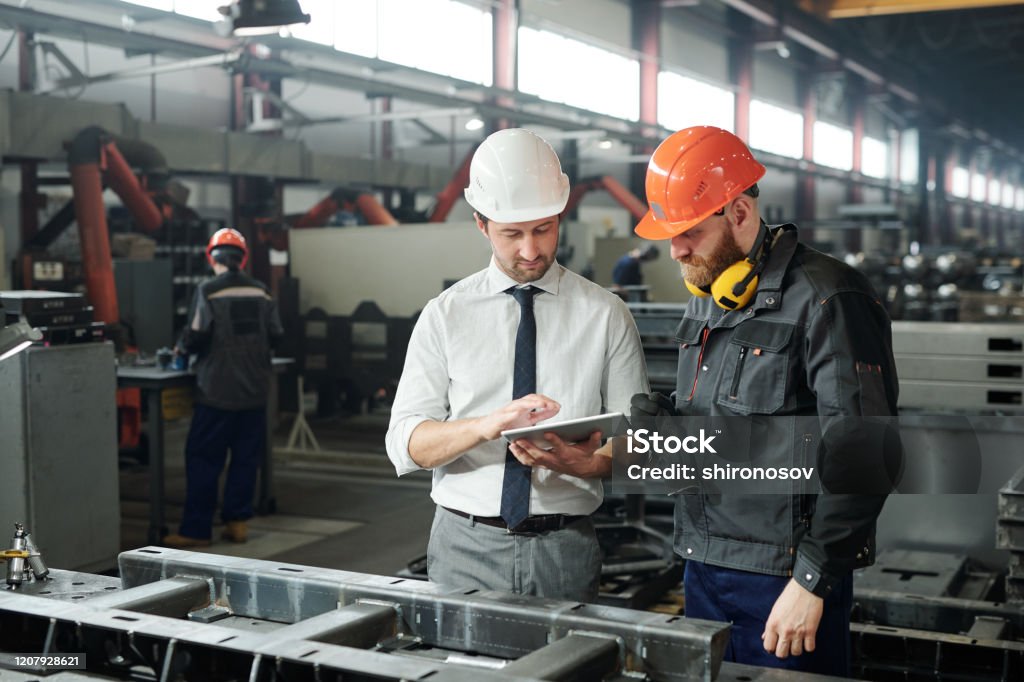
{"x":700,"y":362}
{"x":739,"y":370}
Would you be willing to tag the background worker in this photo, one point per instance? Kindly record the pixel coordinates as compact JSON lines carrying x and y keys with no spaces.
{"x":627,"y":270}
{"x":232,"y":326}
{"x":514,"y":344}
{"x":774,"y":328}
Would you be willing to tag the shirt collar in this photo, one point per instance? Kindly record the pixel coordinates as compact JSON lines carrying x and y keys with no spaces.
{"x":498,"y":282}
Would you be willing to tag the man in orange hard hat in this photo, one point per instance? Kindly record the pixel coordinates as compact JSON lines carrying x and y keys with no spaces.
{"x":232,"y":325}
{"x":775,"y":329}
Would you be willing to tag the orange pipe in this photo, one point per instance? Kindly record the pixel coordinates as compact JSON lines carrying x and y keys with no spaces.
{"x":626,"y":199}
{"x":122,"y":180}
{"x":97,"y":265}
{"x":453,"y":191}
{"x":319,"y":214}
{"x":629,"y":201}
{"x":374,"y":211}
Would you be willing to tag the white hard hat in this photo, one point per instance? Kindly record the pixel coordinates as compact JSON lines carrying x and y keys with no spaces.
{"x":515,"y":176}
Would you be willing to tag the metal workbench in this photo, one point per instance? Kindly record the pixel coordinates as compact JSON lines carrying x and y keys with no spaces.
{"x":152,"y":381}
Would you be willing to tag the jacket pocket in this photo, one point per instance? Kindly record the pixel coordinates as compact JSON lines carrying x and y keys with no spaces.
{"x":757,"y":369}
{"x":689,"y":336}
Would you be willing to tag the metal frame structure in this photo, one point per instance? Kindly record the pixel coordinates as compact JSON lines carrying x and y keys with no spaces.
{"x":186,"y":615}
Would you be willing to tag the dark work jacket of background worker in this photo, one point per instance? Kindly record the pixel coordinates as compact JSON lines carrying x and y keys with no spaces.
{"x":815,"y":340}
{"x":233,"y":323}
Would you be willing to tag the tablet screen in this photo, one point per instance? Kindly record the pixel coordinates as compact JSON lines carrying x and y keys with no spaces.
{"x":572,"y":430}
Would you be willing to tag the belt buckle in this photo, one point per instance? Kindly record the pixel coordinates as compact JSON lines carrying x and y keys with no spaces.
{"x":521,"y":529}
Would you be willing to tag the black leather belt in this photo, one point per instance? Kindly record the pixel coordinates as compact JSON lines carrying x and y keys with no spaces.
{"x":541,"y":523}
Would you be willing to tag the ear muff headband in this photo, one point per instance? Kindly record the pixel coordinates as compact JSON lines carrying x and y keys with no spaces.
{"x":734,"y":288}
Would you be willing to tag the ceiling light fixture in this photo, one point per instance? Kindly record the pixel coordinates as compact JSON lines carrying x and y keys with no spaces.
{"x":474,"y":123}
{"x":259,"y":17}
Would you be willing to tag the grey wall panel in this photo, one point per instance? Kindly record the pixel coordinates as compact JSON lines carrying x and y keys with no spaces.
{"x":267,"y":156}
{"x":606,"y":20}
{"x":778,"y":195}
{"x":186,"y":148}
{"x":400,"y":268}
{"x":348,"y":170}
{"x":59,"y":427}
{"x":774,"y":79}
{"x":829,"y":195}
{"x":40,"y":125}
{"x":688,"y":46}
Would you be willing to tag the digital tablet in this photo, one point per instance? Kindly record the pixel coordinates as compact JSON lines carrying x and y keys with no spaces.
{"x":571,"y":430}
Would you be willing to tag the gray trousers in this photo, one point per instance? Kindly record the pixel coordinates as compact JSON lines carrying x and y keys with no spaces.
{"x":559,"y":564}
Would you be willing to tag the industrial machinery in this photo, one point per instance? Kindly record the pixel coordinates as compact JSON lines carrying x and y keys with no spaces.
{"x":183,"y":615}
{"x":24,"y":560}
{"x":963,"y":366}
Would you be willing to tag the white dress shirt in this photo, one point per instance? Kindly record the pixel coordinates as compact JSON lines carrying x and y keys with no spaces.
{"x":459,"y":365}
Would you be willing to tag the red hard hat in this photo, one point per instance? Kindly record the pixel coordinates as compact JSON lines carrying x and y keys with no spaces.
{"x":227,"y":237}
{"x":691,"y":175}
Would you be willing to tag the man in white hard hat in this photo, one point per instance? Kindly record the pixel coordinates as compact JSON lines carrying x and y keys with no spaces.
{"x":518,"y":342}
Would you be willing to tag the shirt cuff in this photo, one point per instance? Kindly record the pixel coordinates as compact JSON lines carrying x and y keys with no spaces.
{"x":813,"y":579}
{"x":398,"y":445}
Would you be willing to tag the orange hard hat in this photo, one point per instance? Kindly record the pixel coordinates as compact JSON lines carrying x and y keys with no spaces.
{"x":227,"y":237}
{"x":691,"y":175}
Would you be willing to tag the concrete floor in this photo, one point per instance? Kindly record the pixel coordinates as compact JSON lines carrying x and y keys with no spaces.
{"x":344,"y":509}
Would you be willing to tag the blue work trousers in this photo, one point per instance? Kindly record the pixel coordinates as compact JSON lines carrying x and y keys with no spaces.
{"x":745,"y":600}
{"x":212,"y":434}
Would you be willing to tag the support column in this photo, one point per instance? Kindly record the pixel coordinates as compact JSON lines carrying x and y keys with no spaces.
{"x":646,"y":39}
{"x":250,"y":195}
{"x":29,"y":198}
{"x":805,"y":188}
{"x":505,"y":59}
{"x":741,"y":70}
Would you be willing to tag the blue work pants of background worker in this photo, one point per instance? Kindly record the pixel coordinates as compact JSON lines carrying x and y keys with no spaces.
{"x":212,"y":434}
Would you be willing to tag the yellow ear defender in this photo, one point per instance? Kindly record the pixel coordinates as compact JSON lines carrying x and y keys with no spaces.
{"x":734,"y":288}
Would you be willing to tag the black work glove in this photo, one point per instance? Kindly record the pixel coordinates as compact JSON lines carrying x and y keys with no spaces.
{"x":646,"y":405}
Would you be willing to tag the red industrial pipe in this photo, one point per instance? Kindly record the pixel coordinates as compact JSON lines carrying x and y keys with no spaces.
{"x":374,"y":211}
{"x":371,"y":209}
{"x":122,"y":180}
{"x":453,"y":191}
{"x":629,"y":201}
{"x":93,"y":157}
{"x":97,"y":265}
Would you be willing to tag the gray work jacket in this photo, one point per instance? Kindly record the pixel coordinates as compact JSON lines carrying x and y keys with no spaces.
{"x":815,"y":340}
{"x":233,"y":325}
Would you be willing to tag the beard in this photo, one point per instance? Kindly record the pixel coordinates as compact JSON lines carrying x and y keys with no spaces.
{"x":524,"y":275}
{"x":701,"y":272}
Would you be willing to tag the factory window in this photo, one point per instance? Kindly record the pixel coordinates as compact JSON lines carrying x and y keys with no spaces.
{"x":776,"y":130}
{"x":441,"y":36}
{"x":833,"y":146}
{"x":995,"y":191}
{"x":561,"y":69}
{"x":1007,"y":200}
{"x":685,"y":102}
{"x":198,"y":9}
{"x":874,"y":158}
{"x":355,"y":26}
{"x":908,"y":156}
{"x":165,"y":5}
{"x":961,"y":182}
{"x":978,"y":187}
